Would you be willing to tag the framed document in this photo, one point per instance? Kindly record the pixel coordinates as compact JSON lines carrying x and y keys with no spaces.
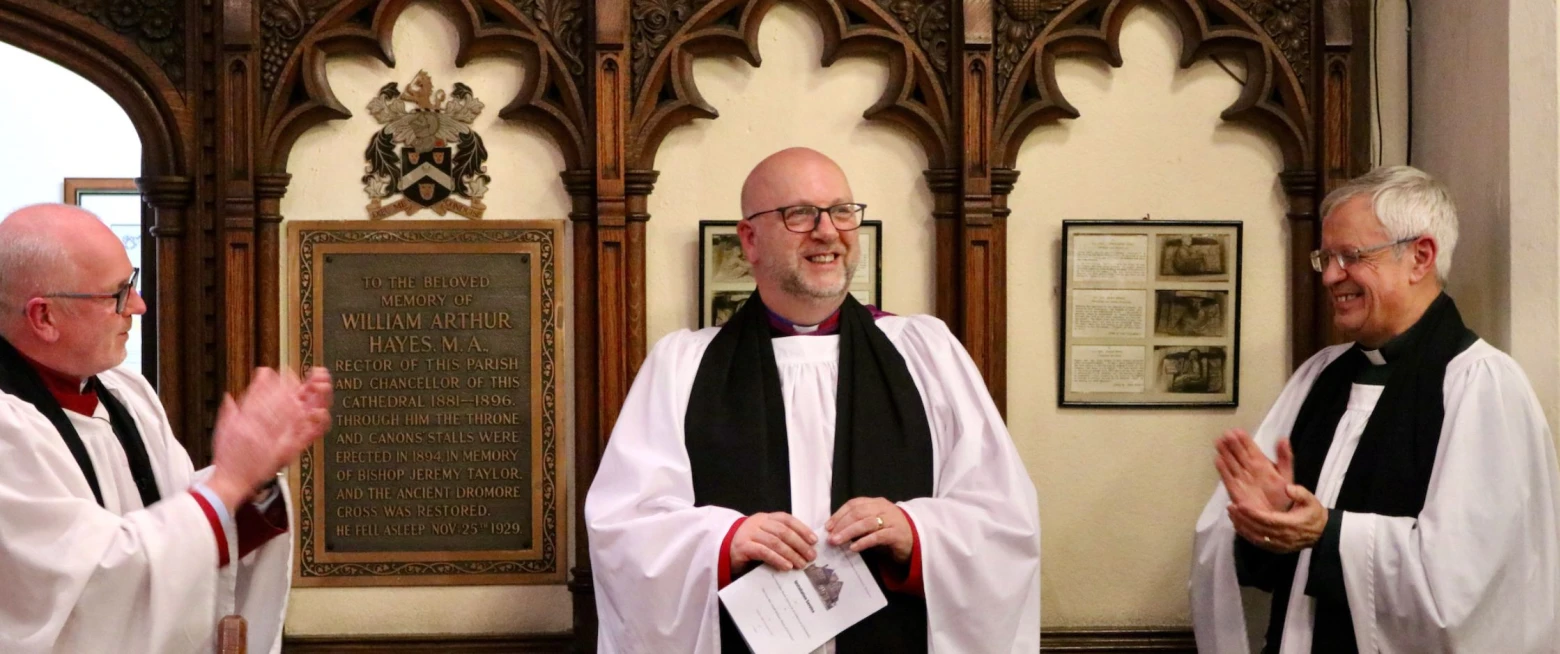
{"x":726,"y":278}
{"x":1150,"y":314}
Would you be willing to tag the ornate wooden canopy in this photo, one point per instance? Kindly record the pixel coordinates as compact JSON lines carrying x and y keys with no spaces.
{"x":220,"y":91}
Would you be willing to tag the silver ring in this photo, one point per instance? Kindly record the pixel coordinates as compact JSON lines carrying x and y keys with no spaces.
{"x":880,"y":522}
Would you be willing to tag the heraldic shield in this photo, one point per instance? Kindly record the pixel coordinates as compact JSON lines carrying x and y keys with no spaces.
{"x":429,"y":155}
{"x":426,"y":179}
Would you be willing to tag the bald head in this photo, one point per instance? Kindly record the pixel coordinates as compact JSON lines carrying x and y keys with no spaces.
{"x":44,"y":245}
{"x":782,"y":177}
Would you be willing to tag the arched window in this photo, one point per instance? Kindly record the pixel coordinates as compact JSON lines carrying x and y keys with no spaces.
{"x":75,"y":144}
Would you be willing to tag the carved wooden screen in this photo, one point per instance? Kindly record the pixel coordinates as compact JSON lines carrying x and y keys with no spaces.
{"x":220,"y":92}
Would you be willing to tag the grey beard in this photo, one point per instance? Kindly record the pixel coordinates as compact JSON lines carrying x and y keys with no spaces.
{"x":791,"y":282}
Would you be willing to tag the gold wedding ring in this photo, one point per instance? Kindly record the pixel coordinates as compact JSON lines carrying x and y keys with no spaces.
{"x":880,"y":522}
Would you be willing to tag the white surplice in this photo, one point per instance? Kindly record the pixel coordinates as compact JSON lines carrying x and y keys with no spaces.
{"x":1478,"y":570}
{"x":79,"y":577}
{"x":654,"y":555}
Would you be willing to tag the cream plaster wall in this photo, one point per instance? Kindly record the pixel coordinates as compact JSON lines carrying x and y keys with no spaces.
{"x":1461,"y":135}
{"x":1390,"y":75}
{"x":788,"y":101}
{"x":1534,"y":252}
{"x":1121,"y":489}
{"x":1485,"y":96}
{"x":326,"y":165}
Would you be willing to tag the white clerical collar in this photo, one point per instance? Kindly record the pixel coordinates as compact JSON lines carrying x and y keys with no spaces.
{"x":806,"y":329}
{"x":1375,"y":357}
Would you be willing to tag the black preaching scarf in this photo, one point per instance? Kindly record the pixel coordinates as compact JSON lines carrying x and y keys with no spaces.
{"x":17,"y":377}
{"x":736,"y":439}
{"x":1390,"y":472}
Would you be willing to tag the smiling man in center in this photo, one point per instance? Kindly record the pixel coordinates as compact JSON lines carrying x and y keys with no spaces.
{"x":806,"y":421}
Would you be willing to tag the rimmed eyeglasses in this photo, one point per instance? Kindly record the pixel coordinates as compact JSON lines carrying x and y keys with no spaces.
{"x":1320,"y":259}
{"x":120,"y":297}
{"x":804,"y":218}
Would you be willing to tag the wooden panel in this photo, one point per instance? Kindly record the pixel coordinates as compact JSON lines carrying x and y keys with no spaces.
{"x":238,"y":316}
{"x":1165,"y":641}
{"x":219,"y":109}
{"x":518,"y":644}
{"x":269,"y":190}
{"x":1146,"y":641}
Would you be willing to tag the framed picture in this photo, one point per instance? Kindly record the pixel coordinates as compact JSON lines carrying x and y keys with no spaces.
{"x":1150,"y":314}
{"x":117,"y":202}
{"x":726,"y":277}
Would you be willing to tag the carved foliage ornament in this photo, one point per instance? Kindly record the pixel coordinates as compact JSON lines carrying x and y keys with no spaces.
{"x":155,"y":26}
{"x":929,"y":23}
{"x":1019,"y":23}
{"x":1288,"y":23}
{"x":282,"y":25}
{"x":654,"y":22}
{"x":411,"y":155}
{"x":564,"y":20}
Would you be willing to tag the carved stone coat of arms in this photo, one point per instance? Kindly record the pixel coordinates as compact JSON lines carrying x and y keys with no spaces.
{"x":427,"y":152}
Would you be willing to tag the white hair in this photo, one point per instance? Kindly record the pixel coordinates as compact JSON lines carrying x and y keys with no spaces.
{"x":1408,"y":202}
{"x":26,"y":263}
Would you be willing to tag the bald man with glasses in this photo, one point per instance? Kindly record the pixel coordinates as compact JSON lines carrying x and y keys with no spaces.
{"x":1402,"y":493}
{"x":110,"y":541}
{"x":811,"y":421}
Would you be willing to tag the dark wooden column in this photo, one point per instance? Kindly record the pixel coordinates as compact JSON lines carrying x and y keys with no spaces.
{"x":588,"y":437}
{"x":269,"y":190}
{"x":1308,"y":332}
{"x":603,"y":263}
{"x":235,"y":181}
{"x":944,"y":183}
{"x":169,"y":197}
{"x":981,"y":257}
{"x":1002,"y":181}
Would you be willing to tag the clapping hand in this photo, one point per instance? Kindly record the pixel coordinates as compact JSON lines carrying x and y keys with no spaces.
{"x":314,"y":393}
{"x":277,"y":418}
{"x":1266,"y":507}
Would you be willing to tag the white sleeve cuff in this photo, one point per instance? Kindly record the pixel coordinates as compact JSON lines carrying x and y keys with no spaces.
{"x":272,"y":491}
{"x":216,"y":505}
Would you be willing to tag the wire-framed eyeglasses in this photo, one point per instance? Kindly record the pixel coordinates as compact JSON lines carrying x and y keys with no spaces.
{"x":804,"y":218}
{"x":121,"y":297}
{"x":1321,"y":258}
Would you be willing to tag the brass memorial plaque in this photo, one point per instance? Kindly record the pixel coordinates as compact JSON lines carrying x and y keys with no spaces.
{"x":443,"y":464}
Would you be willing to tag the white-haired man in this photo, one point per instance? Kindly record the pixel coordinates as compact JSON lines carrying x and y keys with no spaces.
{"x":109,"y":539}
{"x":1411,"y":503}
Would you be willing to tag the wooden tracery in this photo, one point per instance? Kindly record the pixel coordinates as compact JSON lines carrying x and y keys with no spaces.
{"x":220,"y":91}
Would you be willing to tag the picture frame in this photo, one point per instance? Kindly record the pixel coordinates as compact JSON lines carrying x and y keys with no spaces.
{"x":1150,"y":314}
{"x":726,"y":279}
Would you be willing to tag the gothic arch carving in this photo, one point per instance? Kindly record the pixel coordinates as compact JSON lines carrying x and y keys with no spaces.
{"x":1269,"y":36}
{"x":545,"y":34}
{"x":136,"y":54}
{"x":669,"y":34}
{"x":113,"y":62}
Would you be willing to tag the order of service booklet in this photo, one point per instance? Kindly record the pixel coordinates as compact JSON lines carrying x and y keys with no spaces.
{"x":797,"y":611}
